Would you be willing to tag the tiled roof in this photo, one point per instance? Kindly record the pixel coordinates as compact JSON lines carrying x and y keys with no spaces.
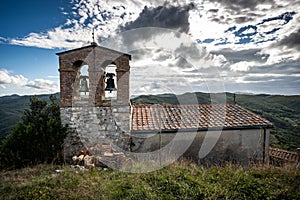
{"x":194,"y":116}
{"x":284,"y":155}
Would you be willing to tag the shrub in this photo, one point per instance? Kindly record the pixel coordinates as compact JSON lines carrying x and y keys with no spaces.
{"x":37,"y":138}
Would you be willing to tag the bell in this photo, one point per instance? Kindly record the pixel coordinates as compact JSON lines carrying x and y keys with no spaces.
{"x":110,"y":83}
{"x":83,"y":84}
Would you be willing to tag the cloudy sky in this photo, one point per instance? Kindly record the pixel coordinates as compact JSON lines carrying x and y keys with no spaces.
{"x":249,"y":46}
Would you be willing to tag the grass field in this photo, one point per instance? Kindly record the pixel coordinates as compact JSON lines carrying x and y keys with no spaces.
{"x":181,"y":180}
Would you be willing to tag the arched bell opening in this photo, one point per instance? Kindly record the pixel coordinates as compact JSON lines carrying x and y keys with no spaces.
{"x":76,"y":82}
{"x":81,"y":81}
{"x":110,"y":76}
{"x":106,"y":87}
{"x":84,"y":82}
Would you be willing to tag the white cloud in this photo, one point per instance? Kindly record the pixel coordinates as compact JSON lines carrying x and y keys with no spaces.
{"x":11,"y":84}
{"x":209,"y":20}
{"x":3,"y":40}
{"x":242,"y":66}
{"x":249,"y":31}
{"x":7,"y":78}
{"x":54,"y":77}
{"x":42,"y":84}
{"x":107,"y":16}
{"x":77,"y":30}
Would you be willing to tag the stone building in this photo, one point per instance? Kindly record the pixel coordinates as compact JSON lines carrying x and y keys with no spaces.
{"x":93,"y":114}
{"x":97,"y":110}
{"x":215,"y":133}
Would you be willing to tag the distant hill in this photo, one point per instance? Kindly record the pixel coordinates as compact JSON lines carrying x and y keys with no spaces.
{"x":11,"y":110}
{"x":282,"y":111}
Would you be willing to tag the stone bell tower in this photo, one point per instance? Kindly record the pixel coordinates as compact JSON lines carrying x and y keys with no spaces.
{"x":94,"y":97}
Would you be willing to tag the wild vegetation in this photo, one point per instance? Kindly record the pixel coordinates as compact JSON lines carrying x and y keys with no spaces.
{"x":181,"y":180}
{"x":37,"y":138}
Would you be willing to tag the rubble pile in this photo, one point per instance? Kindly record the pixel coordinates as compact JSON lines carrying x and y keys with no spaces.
{"x":103,"y":156}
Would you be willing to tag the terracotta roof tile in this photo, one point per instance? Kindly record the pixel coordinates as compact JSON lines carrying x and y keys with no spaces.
{"x":147,"y":117}
{"x":284,"y":155}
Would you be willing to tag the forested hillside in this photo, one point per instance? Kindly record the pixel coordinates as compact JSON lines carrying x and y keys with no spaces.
{"x":11,"y":110}
{"x":282,"y":111}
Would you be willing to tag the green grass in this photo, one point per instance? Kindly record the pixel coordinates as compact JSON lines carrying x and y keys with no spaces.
{"x":181,"y":180}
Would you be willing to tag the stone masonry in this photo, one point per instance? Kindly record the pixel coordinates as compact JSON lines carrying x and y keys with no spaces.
{"x":94,"y":120}
{"x":93,"y":126}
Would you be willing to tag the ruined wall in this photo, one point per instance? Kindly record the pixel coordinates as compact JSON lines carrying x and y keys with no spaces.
{"x":241,"y":146}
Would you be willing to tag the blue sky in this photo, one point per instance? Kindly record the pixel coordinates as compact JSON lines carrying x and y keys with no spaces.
{"x":246,"y":46}
{"x":18,"y":20}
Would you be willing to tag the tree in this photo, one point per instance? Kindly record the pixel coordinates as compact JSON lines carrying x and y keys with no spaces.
{"x":38,"y":138}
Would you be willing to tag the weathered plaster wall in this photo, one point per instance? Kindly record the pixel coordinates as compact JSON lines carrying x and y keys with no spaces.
{"x":242,"y":146}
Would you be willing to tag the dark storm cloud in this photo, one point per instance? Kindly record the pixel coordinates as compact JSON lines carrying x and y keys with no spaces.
{"x":271,"y":77}
{"x":34,"y":86}
{"x":138,"y":54}
{"x":287,"y":16}
{"x":182,"y":63}
{"x":263,"y":79}
{"x":41,"y":84}
{"x":220,"y":19}
{"x":288,"y":84}
{"x":192,"y":51}
{"x":243,"y":19}
{"x":244,"y":55}
{"x":291,"y":41}
{"x":155,"y":54}
{"x":166,"y":16}
{"x":162,"y":55}
{"x":234,"y":7}
{"x":289,"y":68}
{"x":238,"y":4}
{"x":161,"y":20}
{"x":287,"y":88}
{"x":260,"y":78}
{"x":208,"y":73}
{"x":213,"y":10}
{"x":257,"y":79}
